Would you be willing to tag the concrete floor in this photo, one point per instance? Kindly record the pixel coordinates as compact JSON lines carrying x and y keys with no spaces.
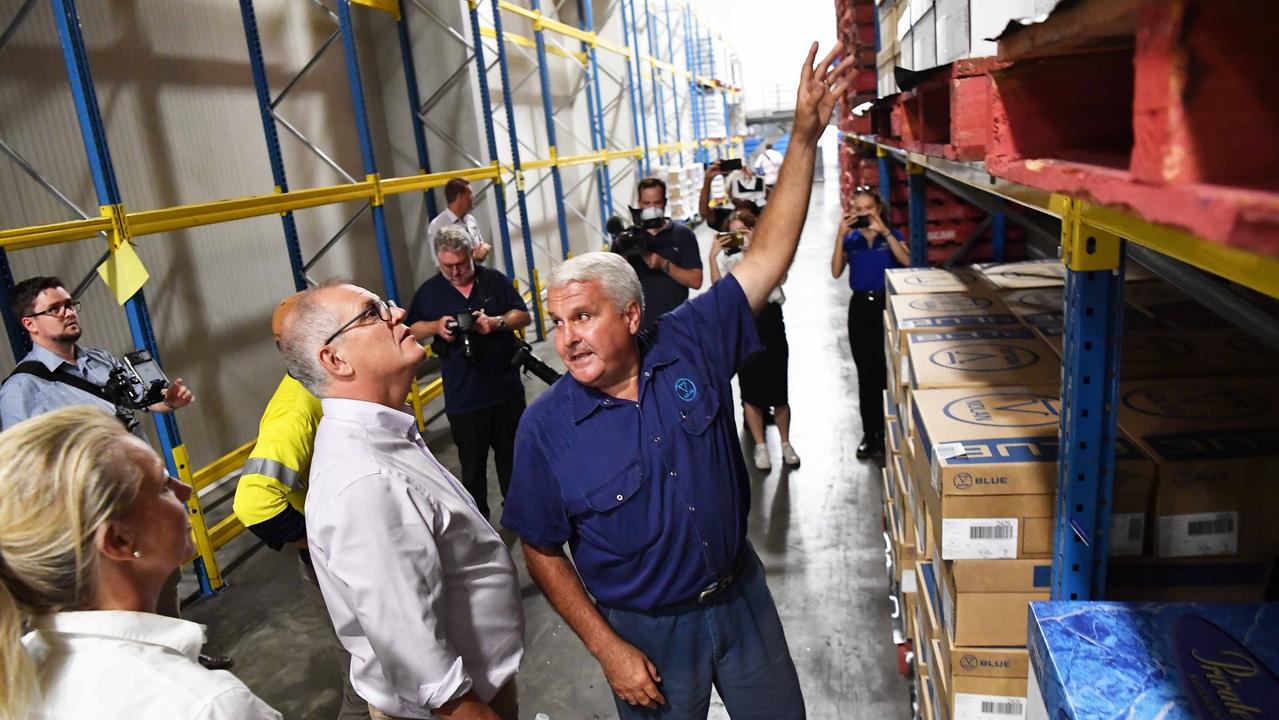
{"x":817,"y":529}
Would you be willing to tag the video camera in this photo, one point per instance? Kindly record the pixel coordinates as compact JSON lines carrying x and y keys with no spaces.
{"x":632,"y":242}
{"x":464,"y":326}
{"x":138,"y":384}
{"x":525,"y":360}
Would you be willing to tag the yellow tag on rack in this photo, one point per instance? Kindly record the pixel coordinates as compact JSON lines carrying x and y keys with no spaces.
{"x":124,"y":273}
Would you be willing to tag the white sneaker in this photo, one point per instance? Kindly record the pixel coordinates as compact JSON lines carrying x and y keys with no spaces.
{"x":761,"y":458}
{"x":789,"y":456}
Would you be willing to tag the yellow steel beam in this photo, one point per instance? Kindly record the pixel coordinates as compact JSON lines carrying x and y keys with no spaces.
{"x":424,"y":181}
{"x":225,"y":531}
{"x":150,"y":222}
{"x":388,"y":6}
{"x":528,"y":42}
{"x":199,"y":528}
{"x":564,"y":29}
{"x":53,"y":234}
{"x":222,"y":467}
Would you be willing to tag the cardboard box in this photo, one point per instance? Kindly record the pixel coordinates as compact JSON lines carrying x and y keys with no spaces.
{"x":1023,"y":274}
{"x":966,"y":696}
{"x":991,"y":457}
{"x":923,"y":522}
{"x":1216,"y":445}
{"x":945,"y":312}
{"x":914,"y":281}
{"x":1036,"y":306}
{"x":1172,"y":661}
{"x":982,"y":600}
{"x":923,"y":613}
{"x":952,"y":30}
{"x":1234,"y":579}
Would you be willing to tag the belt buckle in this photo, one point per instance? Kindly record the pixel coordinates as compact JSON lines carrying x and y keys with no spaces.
{"x":708,"y":593}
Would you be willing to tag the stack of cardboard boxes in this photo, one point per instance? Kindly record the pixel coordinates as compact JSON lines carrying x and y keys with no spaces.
{"x":973,"y":408}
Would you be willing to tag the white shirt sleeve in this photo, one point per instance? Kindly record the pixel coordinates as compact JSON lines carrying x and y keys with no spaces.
{"x":237,"y":704}
{"x":385,"y":555}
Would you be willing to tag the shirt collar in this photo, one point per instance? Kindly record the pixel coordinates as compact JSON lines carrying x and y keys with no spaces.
{"x":586,"y":400}
{"x":49,"y":359}
{"x":181,"y":635}
{"x":371,"y":414}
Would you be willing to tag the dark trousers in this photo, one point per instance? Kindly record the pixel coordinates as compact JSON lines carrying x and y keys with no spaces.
{"x":866,"y":338}
{"x":474,"y":433}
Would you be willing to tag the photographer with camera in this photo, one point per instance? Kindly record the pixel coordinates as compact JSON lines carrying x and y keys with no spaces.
{"x":867,"y":247}
{"x":763,"y":379}
{"x":58,"y":373}
{"x":470,"y":313}
{"x":668,"y":263}
{"x":745,"y":191}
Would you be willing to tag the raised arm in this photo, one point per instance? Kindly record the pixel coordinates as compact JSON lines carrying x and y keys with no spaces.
{"x":704,"y":200}
{"x":773,"y":246}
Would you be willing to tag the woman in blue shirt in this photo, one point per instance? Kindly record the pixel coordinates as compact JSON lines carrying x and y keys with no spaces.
{"x":868,"y":252}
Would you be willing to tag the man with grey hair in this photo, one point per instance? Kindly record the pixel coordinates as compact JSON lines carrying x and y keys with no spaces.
{"x":421,"y":589}
{"x":633,"y":461}
{"x":470,"y":313}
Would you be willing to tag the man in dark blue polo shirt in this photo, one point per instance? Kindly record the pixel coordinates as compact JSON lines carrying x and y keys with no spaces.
{"x":483,"y":394}
{"x":633,"y":461}
{"x":673,"y":264}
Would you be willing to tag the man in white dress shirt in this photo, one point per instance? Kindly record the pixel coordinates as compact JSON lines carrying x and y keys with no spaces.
{"x":420,"y":588}
{"x":457,"y":193}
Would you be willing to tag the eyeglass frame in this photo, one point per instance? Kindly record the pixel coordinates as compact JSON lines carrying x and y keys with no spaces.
{"x":58,"y":311}
{"x":376,"y":308}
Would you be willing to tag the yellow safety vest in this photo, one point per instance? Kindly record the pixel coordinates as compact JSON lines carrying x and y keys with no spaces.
{"x":275,"y":475}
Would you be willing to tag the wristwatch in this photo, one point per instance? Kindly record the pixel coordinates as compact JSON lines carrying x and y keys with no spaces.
{"x":501,"y":323}
{"x":666,"y":267}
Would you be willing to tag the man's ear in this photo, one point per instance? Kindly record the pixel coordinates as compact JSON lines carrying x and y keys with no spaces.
{"x":114,"y":541}
{"x":28,"y":324}
{"x":332,"y":360}
{"x":633,"y":313}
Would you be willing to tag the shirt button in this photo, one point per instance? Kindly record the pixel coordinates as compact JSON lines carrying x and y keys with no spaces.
{"x":691,"y":508}
{"x":620,"y":498}
{"x":706,"y":544}
{"x":657,"y":439}
{"x":674,"y":474}
{"x":648,"y":374}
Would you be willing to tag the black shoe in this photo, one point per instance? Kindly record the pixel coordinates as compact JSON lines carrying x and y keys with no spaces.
{"x":877,"y":447}
{"x":864,"y":449}
{"x":216,"y":662}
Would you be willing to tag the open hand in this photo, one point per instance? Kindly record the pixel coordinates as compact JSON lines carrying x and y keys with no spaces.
{"x":632,"y":675}
{"x":177,"y":395}
{"x":819,"y":88}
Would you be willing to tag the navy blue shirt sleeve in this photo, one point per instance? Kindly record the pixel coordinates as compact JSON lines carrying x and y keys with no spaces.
{"x":421,"y":307}
{"x":534,"y":508}
{"x":690,"y":256}
{"x":719,"y":321}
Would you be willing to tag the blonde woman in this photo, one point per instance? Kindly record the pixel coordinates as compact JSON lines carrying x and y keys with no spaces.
{"x":90,"y":527}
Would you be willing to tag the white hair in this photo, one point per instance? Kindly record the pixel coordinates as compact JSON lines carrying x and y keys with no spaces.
{"x":453,"y":239}
{"x":612,"y":271}
{"x":302,"y":338}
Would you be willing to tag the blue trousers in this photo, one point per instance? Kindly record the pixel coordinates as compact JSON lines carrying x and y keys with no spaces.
{"x":734,"y":643}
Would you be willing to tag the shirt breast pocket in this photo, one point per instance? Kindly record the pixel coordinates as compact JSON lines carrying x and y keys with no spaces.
{"x":619,"y":516}
{"x":697,"y":415}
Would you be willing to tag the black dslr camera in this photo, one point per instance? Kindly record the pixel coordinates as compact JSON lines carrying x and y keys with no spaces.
{"x":632,"y":242}
{"x":463,"y":326}
{"x":525,"y":360}
{"x":137,"y":384}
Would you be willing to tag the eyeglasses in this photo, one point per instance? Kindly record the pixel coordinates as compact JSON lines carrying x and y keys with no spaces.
{"x":59,"y":310}
{"x":381,"y":309}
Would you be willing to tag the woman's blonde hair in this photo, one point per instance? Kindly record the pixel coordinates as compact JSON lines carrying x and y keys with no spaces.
{"x":62,"y":475}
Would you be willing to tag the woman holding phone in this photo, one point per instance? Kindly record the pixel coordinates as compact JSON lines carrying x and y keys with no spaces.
{"x":763,"y":379}
{"x":867,"y":247}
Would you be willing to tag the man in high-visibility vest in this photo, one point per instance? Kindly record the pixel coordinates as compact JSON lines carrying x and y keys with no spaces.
{"x":271,"y":494}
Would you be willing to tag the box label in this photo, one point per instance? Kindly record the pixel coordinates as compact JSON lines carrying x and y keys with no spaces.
{"x":908,"y":582}
{"x":1198,"y":534}
{"x":1126,"y":533}
{"x":987,"y":707}
{"x":979,"y":538}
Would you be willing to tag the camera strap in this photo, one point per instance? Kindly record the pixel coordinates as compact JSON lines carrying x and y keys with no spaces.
{"x":40,"y":370}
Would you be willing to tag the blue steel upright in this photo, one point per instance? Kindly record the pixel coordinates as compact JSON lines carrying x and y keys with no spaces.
{"x":263,"y":90}
{"x":366,"y":147}
{"x":415,"y":105}
{"x":1085,"y":475}
{"x":694,"y":90}
{"x":635,"y":84}
{"x":659,"y":106}
{"x":545,"y":78}
{"x":998,"y":236}
{"x":595,"y":107}
{"x":509,"y":103}
{"x":670,"y":58}
{"x":917,"y":187}
{"x":107,"y":190}
{"x":490,"y":138}
{"x":885,"y":178}
{"x":19,"y":340}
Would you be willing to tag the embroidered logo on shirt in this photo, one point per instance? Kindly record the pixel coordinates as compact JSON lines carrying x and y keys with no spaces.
{"x":685,"y":389}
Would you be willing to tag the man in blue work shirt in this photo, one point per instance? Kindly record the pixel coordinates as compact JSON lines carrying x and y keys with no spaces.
{"x":634,"y":462}
{"x":483,"y":393}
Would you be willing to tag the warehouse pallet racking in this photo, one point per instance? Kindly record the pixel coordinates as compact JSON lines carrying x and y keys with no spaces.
{"x":120,"y":226}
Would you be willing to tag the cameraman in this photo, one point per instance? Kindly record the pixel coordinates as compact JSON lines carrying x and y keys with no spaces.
{"x":58,"y":373}
{"x":483,"y":394}
{"x":672,"y":265}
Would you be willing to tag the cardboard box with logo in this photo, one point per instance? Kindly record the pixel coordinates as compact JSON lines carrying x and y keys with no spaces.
{"x":920,"y":281}
{"x":1023,"y":274}
{"x":1036,"y":306}
{"x":980,"y":599}
{"x":945,"y":312}
{"x":990,"y":458}
{"x":1216,"y":445}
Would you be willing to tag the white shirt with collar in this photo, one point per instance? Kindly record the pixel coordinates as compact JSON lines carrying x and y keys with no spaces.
{"x":117,"y":664}
{"x":448,"y":217}
{"x":421,"y":589}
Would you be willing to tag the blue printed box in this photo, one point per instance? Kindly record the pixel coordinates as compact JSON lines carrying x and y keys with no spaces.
{"x":1173,"y":661}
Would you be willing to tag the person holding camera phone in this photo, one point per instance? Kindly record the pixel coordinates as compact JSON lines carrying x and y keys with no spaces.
{"x":763,"y":379}
{"x":745,"y":190}
{"x":867,"y":247}
{"x":470,"y":313}
{"x":58,"y":373}
{"x":672,"y":264}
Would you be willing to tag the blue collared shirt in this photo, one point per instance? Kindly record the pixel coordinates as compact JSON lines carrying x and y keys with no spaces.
{"x":25,"y":396}
{"x":651,"y":496}
{"x":866,"y":263}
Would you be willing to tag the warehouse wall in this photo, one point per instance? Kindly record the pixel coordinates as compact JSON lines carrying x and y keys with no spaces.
{"x":177,"y":97}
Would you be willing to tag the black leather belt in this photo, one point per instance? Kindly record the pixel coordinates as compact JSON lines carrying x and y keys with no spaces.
{"x":870,"y":295}
{"x":722,"y":583}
